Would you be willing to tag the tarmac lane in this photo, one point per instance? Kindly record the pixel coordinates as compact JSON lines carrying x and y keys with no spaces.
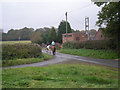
{"x":60,"y":57}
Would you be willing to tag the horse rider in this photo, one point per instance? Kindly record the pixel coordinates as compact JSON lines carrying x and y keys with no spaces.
{"x":53,"y":47}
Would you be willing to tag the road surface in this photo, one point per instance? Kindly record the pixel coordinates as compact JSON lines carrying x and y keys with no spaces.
{"x":59,"y":57}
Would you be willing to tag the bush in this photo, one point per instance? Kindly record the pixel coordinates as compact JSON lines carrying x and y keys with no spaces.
{"x":57,"y":46}
{"x":90,"y":44}
{"x":18,"y":51}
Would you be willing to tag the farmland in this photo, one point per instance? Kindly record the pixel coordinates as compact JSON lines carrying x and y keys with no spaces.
{"x":14,"y":42}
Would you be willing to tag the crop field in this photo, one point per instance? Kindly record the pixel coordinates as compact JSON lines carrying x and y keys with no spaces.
{"x":14,"y":42}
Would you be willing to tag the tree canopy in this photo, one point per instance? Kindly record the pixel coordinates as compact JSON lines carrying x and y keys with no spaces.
{"x":109,"y":17}
{"x":62,"y":29}
{"x":52,"y":35}
{"x":24,"y":34}
{"x":44,"y":35}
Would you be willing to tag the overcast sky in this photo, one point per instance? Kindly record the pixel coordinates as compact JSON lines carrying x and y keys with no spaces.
{"x":17,"y":14}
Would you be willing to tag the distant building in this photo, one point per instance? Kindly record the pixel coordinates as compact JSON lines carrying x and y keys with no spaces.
{"x":99,"y":35}
{"x":81,"y":36}
{"x":92,"y":34}
{"x":75,"y":36}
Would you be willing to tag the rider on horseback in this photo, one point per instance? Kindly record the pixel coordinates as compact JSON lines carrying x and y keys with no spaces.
{"x":53,"y":43}
{"x":53,"y":47}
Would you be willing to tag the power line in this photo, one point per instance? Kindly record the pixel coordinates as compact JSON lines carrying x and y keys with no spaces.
{"x":75,"y":19}
{"x":85,"y":6}
{"x":58,"y":19}
{"x":80,"y":8}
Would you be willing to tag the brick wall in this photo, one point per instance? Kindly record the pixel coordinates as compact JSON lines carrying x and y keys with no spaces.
{"x":78,"y":36}
{"x":99,"y":35}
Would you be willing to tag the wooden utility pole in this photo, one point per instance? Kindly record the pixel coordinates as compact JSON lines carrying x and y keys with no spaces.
{"x":66,"y":26}
{"x":87,"y":26}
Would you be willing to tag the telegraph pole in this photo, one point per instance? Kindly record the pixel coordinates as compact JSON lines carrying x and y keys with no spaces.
{"x":87,"y":26}
{"x":66,"y":26}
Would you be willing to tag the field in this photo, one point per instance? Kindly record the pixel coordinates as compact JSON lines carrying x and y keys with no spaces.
{"x":103,"y":54}
{"x":60,"y":76}
{"x":14,"y":42}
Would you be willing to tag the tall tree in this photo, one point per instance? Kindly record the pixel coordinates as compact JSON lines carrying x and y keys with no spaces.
{"x":62,"y":29}
{"x":52,"y":35}
{"x":109,"y":17}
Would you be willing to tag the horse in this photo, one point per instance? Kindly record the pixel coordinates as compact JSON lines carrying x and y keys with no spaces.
{"x":53,"y":50}
{"x":48,"y":49}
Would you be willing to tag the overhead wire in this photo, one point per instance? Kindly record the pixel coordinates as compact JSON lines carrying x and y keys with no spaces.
{"x":77,"y":9}
{"x":80,"y":8}
{"x":85,"y":6}
{"x":76,"y":20}
{"x":58,"y":19}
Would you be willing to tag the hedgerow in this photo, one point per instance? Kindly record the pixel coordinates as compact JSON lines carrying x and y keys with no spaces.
{"x":90,"y":44}
{"x":19,"y":51}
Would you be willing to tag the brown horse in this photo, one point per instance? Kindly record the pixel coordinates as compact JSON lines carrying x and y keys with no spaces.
{"x":53,"y":50}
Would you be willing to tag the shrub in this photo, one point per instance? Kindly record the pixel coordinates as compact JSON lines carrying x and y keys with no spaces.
{"x":16,"y":51}
{"x":43,"y":45}
{"x":57,"y":46}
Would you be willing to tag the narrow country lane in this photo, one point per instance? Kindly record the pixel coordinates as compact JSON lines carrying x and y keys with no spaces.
{"x":59,"y":57}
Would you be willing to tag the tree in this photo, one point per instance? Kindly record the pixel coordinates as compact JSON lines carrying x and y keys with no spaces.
{"x":44,"y":34}
{"x":52,"y":35}
{"x":62,"y":30}
{"x":109,"y":16}
{"x":4,"y":36}
{"x":12,"y":35}
{"x":24,"y":34}
{"x":36,"y":38}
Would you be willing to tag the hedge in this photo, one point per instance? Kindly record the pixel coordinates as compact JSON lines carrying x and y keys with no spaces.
{"x":90,"y":44}
{"x":18,"y":51}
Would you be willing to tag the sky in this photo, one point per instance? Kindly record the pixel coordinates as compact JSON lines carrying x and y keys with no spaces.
{"x":16,"y":14}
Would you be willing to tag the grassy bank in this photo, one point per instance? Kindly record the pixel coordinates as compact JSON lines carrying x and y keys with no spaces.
{"x":25,"y":60}
{"x":60,"y":76}
{"x":103,"y":54}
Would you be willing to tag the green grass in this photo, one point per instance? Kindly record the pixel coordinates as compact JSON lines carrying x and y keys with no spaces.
{"x":60,"y":76}
{"x":103,"y":54}
{"x":25,"y":60}
{"x":14,"y":42}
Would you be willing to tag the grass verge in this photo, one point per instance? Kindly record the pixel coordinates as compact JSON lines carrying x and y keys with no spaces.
{"x":25,"y":60}
{"x":60,"y":76}
{"x":103,"y":54}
